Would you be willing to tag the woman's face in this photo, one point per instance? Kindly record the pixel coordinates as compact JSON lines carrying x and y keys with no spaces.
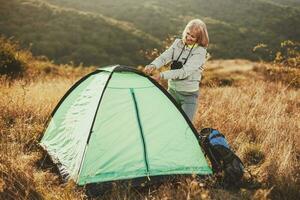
{"x":190,"y":38}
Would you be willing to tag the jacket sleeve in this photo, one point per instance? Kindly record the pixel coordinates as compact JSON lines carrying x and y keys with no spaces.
{"x":194,"y":63}
{"x":165,"y":57}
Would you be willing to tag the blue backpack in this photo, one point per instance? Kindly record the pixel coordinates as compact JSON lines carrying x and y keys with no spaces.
{"x":221,"y":157}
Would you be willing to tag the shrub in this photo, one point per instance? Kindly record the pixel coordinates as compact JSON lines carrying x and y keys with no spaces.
{"x":288,"y":55}
{"x":11,"y":63}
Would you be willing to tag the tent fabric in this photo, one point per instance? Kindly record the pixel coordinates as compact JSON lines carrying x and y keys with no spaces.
{"x":119,"y":124}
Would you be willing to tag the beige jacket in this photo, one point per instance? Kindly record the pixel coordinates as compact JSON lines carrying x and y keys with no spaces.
{"x":188,"y":77}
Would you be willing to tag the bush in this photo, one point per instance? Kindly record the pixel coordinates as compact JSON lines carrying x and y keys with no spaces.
{"x":288,"y":55}
{"x":10,"y":62}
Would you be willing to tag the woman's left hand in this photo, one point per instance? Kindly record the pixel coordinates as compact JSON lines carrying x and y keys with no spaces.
{"x":156,"y":77}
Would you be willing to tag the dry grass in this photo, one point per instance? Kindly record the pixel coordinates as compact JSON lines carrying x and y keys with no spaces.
{"x":261,"y":122}
{"x":260,"y":119}
{"x":287,"y":75}
{"x":25,"y":106}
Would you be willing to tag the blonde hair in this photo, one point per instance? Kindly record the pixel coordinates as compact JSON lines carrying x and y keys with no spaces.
{"x":198,"y":27}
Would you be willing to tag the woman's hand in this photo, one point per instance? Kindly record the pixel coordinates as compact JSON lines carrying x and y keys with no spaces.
{"x":149,"y":69}
{"x":156,"y":77}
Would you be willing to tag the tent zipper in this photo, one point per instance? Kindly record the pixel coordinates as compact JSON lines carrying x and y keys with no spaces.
{"x":141,"y":131}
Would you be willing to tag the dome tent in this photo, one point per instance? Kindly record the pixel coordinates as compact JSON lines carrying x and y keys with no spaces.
{"x":117,"y":123}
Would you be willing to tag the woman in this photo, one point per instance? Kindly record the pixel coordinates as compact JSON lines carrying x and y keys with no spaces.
{"x":187,"y":56}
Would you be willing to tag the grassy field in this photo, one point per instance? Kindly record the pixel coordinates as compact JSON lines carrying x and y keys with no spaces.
{"x":259,"y":116}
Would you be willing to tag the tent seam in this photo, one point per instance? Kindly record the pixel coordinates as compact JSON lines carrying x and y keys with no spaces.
{"x":91,"y":129}
{"x":141,"y":130}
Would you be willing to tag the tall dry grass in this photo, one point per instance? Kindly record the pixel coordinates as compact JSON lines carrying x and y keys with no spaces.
{"x":25,"y":106}
{"x":260,"y":119}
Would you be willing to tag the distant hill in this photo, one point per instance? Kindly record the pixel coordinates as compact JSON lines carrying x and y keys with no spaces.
{"x":68,"y":35}
{"x":235,"y":26}
{"x":100,"y":31}
{"x":293,"y":3}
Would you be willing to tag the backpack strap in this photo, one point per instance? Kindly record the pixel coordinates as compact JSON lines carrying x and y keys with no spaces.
{"x":216,"y":165}
{"x":217,"y":135}
{"x":230,"y":156}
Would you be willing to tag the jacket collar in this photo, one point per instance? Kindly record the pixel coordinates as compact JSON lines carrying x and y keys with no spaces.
{"x":196,"y":49}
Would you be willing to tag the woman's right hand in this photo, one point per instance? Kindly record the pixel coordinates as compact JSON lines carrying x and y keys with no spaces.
{"x":149,"y":69}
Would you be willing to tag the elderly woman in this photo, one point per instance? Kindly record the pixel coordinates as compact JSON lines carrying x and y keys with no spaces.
{"x":187,"y":56}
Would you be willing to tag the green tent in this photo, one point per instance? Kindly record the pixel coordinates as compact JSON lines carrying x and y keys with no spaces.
{"x":117,"y":123}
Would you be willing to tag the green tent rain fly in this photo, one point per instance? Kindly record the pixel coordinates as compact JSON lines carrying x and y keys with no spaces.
{"x":117,"y":123}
